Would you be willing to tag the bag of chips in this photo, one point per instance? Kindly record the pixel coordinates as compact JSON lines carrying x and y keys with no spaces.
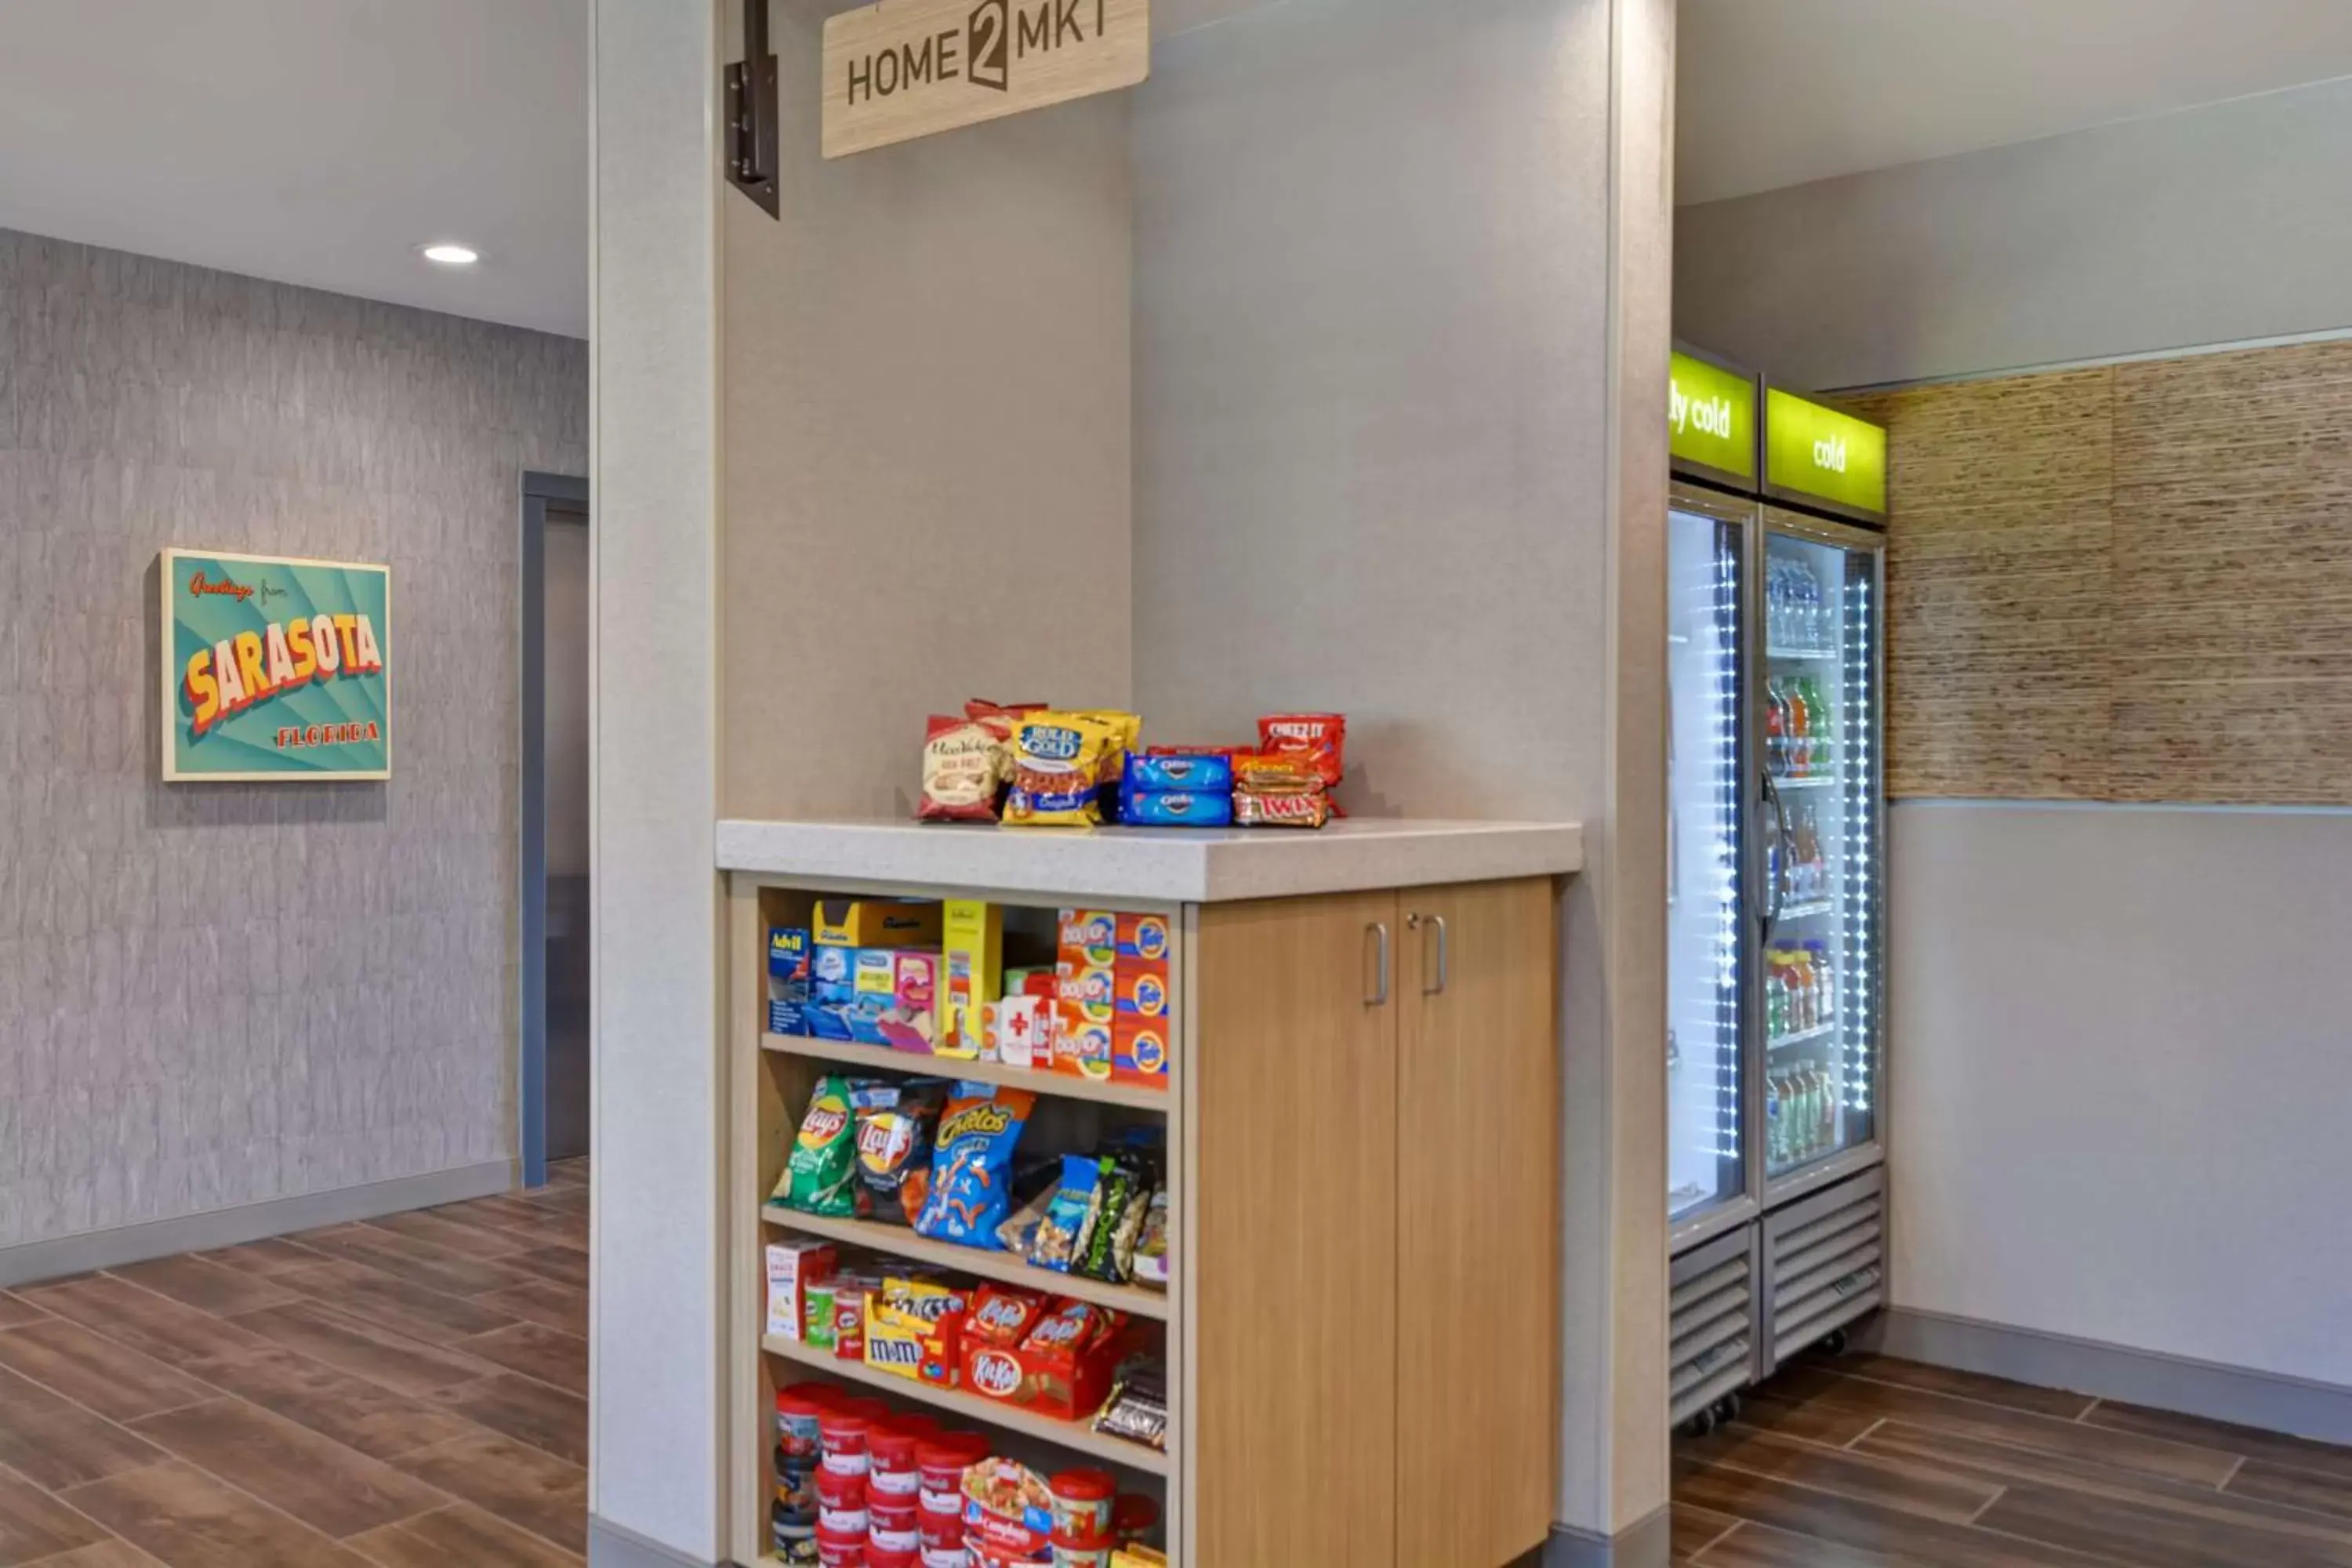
{"x":821,"y":1174}
{"x":971,"y":1165}
{"x":960,"y":771}
{"x":1061,"y":1234}
{"x":1057,"y":769}
{"x":894,"y":1127}
{"x":1322,"y":738}
{"x":1122,"y":1194}
{"x":1151,"y":1266}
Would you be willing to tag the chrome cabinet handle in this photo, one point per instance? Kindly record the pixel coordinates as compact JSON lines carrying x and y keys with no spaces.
{"x":1445,"y":950}
{"x":1380,"y":997}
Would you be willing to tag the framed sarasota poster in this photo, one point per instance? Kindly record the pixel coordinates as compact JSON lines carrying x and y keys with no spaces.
{"x":275,"y":668}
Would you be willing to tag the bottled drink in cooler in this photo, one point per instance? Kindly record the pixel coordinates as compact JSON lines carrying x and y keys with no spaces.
{"x":1825,"y":987}
{"x":1772,"y":1119}
{"x":1800,"y":743}
{"x":1776,"y":730}
{"x":1817,"y":725}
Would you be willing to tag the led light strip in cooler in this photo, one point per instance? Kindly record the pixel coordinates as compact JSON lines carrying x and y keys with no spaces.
{"x":1862,"y":827}
{"x":1725,"y":704}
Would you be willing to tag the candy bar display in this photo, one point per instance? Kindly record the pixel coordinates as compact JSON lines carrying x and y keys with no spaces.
{"x":1033,"y":766}
{"x":861,"y":1482}
{"x":930,"y":980}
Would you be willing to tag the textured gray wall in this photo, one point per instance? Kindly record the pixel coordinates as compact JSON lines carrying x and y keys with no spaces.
{"x":2212,"y":225}
{"x":221,"y":995}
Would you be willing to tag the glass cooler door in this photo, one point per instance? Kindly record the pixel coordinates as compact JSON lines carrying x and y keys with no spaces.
{"x":1819,"y":975}
{"x":1707,"y":660}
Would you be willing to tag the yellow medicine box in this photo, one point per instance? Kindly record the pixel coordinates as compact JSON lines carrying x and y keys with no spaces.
{"x":874,"y":922}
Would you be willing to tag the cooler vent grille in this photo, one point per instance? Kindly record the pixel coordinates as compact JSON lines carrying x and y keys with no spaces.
{"x":1713,"y":1309}
{"x":1825,"y":1262}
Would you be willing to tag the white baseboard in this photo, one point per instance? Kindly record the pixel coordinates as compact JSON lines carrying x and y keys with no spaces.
{"x":612,"y":1545}
{"x":1648,"y":1544}
{"x":2235,"y":1394}
{"x":52,"y":1260}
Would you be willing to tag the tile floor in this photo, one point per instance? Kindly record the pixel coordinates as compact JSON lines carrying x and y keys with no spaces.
{"x":1867,"y":1462}
{"x":409,"y":1393}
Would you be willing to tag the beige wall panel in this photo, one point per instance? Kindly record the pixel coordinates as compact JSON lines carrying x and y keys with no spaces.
{"x":926,"y":374}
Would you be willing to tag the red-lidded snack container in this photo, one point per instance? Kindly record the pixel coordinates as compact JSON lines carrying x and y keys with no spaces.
{"x":947,"y":1556}
{"x":840,"y":1503}
{"x":941,"y":1463}
{"x":889,"y":1557}
{"x":844,"y":1434}
{"x":892,"y":1470}
{"x":841,"y":1551}
{"x":1077,"y":1552}
{"x":939,"y":1529}
{"x":1082,"y":1504}
{"x":892,"y":1523}
{"x":1133,"y":1516}
{"x":876,"y":1411}
{"x":797,"y":1414}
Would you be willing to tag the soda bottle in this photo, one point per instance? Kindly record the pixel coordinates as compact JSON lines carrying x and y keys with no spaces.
{"x":1803,"y":1012}
{"x":1825,"y":987}
{"x":1817,"y":726}
{"x":1808,"y":1095}
{"x":1772,"y":1119}
{"x":1776,"y":997}
{"x":1799,"y":748}
{"x":1776,"y":614}
{"x":1816,"y":613}
{"x":1776,"y":730}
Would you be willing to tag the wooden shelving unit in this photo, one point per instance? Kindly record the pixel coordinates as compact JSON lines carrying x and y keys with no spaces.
{"x":980,"y":1411}
{"x":1003,"y":1266}
{"x":1067,"y":1085}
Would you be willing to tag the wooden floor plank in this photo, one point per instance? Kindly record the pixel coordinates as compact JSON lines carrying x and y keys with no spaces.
{"x":1867,"y":1526}
{"x":2195,"y":1504}
{"x":459,"y":1535}
{"x":548,"y":1354}
{"x":465,"y":1240}
{"x":110,"y":1379}
{"x":156,"y":1325}
{"x":34,"y":1525}
{"x":205,"y":1285}
{"x":1898,"y":1484}
{"x":1970,"y":1417}
{"x":539,"y":1492}
{"x":16,"y":1309}
{"x":325,"y":1485}
{"x":420,"y":1262}
{"x":186,"y":1519}
{"x":273,"y":1256}
{"x":2145,"y":1537}
{"x":1761,"y":1546}
{"x":1694,"y":1528}
{"x":1831,"y":1425}
{"x":54,"y":1442}
{"x":2265,"y":1481}
{"x":399,"y":1364}
{"x":113,"y":1552}
{"x":2294,"y":1453}
{"x":417,"y":1311}
{"x":564,"y":1265}
{"x":361,"y":1416}
{"x":527,"y":1410}
{"x":543,"y":1301}
{"x":2052,"y":1402}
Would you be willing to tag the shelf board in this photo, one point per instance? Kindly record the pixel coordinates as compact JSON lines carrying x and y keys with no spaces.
{"x":1806,"y":911}
{"x":1071,"y":1434}
{"x":1783,"y":1041}
{"x":1068,"y":1086}
{"x":1004,"y":1266}
{"x":1814,"y":653}
{"x":1809,"y":781}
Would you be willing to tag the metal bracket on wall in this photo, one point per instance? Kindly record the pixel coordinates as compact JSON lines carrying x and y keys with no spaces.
{"x":751,"y":113}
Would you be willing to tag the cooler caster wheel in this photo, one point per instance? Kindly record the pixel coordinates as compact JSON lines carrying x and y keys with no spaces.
{"x":1730,"y":1408}
{"x":1836,"y":1343}
{"x":1703,"y":1423}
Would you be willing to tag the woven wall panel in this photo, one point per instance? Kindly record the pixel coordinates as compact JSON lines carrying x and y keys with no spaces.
{"x":2131,"y":583}
{"x":1998,"y":664}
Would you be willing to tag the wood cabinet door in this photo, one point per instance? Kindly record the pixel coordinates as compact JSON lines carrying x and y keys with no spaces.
{"x":1477,"y":1223}
{"x":1294,"y":1192}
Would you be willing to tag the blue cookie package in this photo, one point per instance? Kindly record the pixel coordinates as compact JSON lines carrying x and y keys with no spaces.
{"x":1177,"y":808}
{"x":1200,"y":775}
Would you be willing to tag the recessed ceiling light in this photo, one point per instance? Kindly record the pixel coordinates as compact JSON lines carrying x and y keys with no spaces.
{"x":452,"y":255}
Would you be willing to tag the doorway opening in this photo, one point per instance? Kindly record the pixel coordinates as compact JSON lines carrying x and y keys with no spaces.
{"x":552,"y":1071}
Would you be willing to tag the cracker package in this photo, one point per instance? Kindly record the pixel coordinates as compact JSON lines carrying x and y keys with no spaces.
{"x":820,"y":1175}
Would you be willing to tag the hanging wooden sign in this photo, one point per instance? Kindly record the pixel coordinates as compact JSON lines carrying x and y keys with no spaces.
{"x":905,"y":68}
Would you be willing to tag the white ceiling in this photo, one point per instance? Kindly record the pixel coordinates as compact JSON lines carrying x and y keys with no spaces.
{"x":312,"y":141}
{"x":1779,"y":92}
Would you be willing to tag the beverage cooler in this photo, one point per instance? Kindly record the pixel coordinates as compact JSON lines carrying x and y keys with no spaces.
{"x":1776,"y":896}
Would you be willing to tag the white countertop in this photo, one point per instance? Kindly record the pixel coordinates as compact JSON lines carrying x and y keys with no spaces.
{"x":1190,"y":866}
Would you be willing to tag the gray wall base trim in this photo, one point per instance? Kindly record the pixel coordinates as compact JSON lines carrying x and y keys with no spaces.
{"x":2234,"y":1394}
{"x":614,"y":1545}
{"x":1648,"y":1544}
{"x":52,"y":1260}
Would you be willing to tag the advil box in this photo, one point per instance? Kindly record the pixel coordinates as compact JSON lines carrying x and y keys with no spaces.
{"x":789,"y":974}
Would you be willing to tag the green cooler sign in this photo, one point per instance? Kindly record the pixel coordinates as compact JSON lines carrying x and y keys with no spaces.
{"x":1810,"y":450}
{"x":275,"y":668}
{"x":1711,"y":416}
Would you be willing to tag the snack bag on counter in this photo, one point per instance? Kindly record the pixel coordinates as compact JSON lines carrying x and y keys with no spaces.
{"x":971,"y":1165}
{"x":820,"y":1176}
{"x":1321,"y":738}
{"x":896,"y":1123}
{"x":967,"y":760}
{"x":1125,"y":729}
{"x":1057,"y":769}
